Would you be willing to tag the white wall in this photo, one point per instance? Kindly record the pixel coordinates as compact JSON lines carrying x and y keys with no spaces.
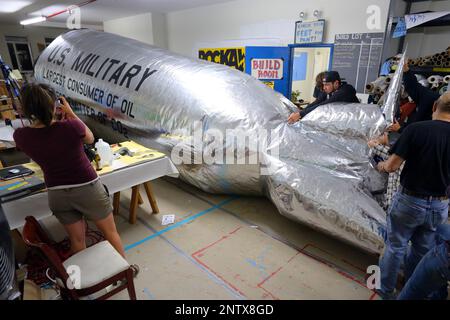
{"x":34,"y":35}
{"x":263,"y":22}
{"x":431,"y":40}
{"x":159,"y":24}
{"x":138,"y":27}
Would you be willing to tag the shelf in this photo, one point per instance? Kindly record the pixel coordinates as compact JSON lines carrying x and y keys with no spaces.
{"x":430,"y":70}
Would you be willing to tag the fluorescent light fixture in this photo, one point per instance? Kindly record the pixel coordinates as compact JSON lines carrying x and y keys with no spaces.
{"x":33,"y":20}
{"x":10,"y":6}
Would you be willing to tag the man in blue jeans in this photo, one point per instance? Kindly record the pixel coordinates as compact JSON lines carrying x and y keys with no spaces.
{"x":421,"y":204}
{"x":431,"y":275}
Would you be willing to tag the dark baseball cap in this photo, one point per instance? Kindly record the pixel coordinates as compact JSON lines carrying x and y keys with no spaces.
{"x":331,"y":76}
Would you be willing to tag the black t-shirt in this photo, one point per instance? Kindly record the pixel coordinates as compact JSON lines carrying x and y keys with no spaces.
{"x":426,"y":148}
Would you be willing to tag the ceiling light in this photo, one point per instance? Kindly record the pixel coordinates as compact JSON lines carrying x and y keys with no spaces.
{"x":33,"y":20}
{"x":10,"y":6}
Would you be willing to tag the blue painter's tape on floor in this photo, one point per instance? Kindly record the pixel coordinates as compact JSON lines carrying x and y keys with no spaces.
{"x":180,"y":223}
{"x":211,"y":275}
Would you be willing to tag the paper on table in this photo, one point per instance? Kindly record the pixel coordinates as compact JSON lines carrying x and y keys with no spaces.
{"x":6,"y":133}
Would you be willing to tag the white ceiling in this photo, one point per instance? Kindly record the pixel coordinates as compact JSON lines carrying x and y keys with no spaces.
{"x":94,"y":13}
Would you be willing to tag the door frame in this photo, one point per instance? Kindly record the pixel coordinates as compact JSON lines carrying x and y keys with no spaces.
{"x":312,"y":45}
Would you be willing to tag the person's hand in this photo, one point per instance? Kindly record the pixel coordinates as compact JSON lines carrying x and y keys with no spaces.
{"x":373,"y":143}
{"x":294,"y":117}
{"x":394,"y":127}
{"x":380,"y":166}
{"x":67,"y":111}
{"x":384,"y":139}
{"x":406,"y":66}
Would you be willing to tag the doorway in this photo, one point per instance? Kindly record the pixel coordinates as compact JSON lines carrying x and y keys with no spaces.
{"x":307,"y":61}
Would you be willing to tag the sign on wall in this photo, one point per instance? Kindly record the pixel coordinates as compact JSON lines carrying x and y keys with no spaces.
{"x":269,"y":65}
{"x":357,"y":57}
{"x":414,"y":20}
{"x":267,"y":69}
{"x":232,"y":57}
{"x":309,"y":31}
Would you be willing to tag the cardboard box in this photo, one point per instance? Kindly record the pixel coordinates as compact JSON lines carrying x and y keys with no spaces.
{"x":6,"y":109}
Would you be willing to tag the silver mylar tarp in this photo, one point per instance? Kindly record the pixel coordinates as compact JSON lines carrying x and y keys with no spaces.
{"x":316,"y":171}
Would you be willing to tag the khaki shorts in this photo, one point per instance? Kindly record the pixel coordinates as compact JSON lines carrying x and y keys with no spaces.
{"x":72,"y":204}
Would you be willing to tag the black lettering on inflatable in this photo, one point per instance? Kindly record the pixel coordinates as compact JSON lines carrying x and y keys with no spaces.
{"x":116,"y":75}
{"x":101,"y":67}
{"x":130,"y":74}
{"x":52,"y":54}
{"x":88,"y":63}
{"x":63,"y":56}
{"x":145,"y":76}
{"x":114,"y":124}
{"x":77,"y":65}
{"x":127,"y":108}
{"x":111,"y":63}
{"x":88,"y":71}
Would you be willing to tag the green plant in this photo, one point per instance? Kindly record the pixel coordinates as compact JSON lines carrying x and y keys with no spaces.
{"x":295,"y":95}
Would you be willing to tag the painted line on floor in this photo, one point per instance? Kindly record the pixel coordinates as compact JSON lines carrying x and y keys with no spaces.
{"x":199,"y":253}
{"x":181,"y":223}
{"x":330,"y":264}
{"x":209,"y":273}
{"x":332,"y":255}
{"x":147,"y":292}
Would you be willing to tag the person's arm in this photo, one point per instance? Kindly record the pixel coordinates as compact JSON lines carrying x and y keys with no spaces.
{"x":69,"y":114}
{"x":390,"y":165}
{"x":414,"y":89}
{"x":296,"y":116}
{"x":400,"y":151}
{"x":313,"y":105}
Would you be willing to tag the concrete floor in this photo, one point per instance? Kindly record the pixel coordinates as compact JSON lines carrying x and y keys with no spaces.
{"x":225,"y":247}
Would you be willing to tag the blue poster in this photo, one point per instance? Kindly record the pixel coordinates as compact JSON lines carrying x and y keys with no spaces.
{"x":400,"y":29}
{"x":299,"y":70}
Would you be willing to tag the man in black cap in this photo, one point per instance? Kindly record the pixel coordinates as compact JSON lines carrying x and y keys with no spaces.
{"x":336,"y":90}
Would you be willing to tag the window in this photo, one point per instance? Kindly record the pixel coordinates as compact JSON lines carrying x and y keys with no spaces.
{"x":20,"y":53}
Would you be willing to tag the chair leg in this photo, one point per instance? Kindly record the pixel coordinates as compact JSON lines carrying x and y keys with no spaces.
{"x":151,"y":197}
{"x":116,"y":203}
{"x":134,"y":204}
{"x":130,"y":285}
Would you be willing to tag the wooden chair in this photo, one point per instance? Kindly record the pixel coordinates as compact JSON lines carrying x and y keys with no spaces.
{"x":100,"y":266}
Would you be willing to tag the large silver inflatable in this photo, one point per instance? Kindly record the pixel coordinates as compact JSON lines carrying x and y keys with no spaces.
{"x":316,"y":171}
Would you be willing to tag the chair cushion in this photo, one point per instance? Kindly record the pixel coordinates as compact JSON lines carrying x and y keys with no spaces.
{"x":97,"y":263}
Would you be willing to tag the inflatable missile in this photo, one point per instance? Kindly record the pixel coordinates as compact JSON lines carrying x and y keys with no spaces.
{"x":225,"y":131}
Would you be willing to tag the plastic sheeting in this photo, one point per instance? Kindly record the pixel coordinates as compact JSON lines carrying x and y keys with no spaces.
{"x":316,"y":171}
{"x":392,"y":102}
